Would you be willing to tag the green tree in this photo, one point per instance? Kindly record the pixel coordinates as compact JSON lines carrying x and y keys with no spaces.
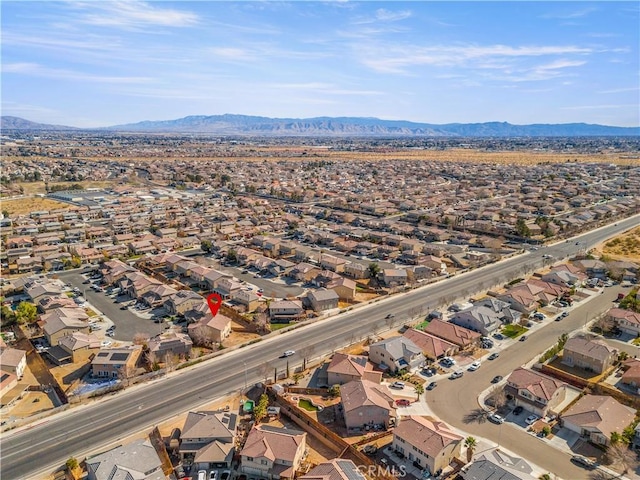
{"x":522,"y":229}
{"x":206,"y":245}
{"x":419,"y":388}
{"x":26,"y":313}
{"x":374,"y":269}
{"x":334,"y":391}
{"x":5,"y":213}
{"x":232,"y":255}
{"x":470,"y":443}
{"x":260,"y":410}
{"x":8,"y":316}
{"x":616,"y":438}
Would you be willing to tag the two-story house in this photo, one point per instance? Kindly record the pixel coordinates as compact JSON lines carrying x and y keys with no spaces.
{"x":366,"y":405}
{"x":273,"y":453}
{"x":207,"y":439}
{"x":395,"y":354}
{"x":285,"y":311}
{"x":322,"y":299}
{"x":345,"y":368}
{"x":116,"y":362}
{"x":590,"y":354}
{"x":535,"y":391}
{"x":426,"y":442}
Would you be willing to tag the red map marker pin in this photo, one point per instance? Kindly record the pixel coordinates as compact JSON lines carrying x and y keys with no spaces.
{"x":214,"y":300}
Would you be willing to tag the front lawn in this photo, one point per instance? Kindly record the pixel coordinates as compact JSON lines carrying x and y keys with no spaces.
{"x":513,"y":330}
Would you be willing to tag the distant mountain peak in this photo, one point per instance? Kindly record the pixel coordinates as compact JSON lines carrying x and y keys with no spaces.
{"x":236,"y":124}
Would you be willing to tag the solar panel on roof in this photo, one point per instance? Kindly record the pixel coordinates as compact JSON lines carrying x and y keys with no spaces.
{"x":103,"y":354}
{"x":349,"y":470}
{"x":119,"y":357}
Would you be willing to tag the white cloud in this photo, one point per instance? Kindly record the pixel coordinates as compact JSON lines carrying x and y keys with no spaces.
{"x":33,"y":69}
{"x":621,"y":90}
{"x":133,"y":14}
{"x":598,"y":107}
{"x":389,"y":16}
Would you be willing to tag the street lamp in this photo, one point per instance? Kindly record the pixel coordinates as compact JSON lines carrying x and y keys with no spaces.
{"x":245,"y":377}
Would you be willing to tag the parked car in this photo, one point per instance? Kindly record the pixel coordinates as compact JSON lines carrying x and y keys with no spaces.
{"x":202,"y":475}
{"x":403,"y":402}
{"x":474,"y":366}
{"x":431,"y":386}
{"x":518,"y":410}
{"x":584,"y":461}
{"x":225,"y":475}
{"x":498,"y":336}
{"x":496,"y":379}
{"x":456,"y":374}
{"x":531,"y":419}
{"x":493,"y":356}
{"x":213,"y":475}
{"x":523,"y":338}
{"x":180,"y":473}
{"x":495,"y":418}
{"x":397,"y":385}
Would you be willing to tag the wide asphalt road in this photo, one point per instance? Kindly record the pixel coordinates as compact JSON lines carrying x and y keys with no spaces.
{"x":453,"y":404}
{"x":27,"y":453}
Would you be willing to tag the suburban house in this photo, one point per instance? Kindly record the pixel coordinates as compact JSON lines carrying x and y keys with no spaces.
{"x":207,"y":439}
{"x":57,"y":325}
{"x":592,"y":355}
{"x":285,"y":311}
{"x":485,"y":316}
{"x":322,"y":299}
{"x":248,"y":299}
{"x":170,"y":343}
{"x":8,"y":381}
{"x":626,"y":320}
{"x":631,"y":376}
{"x":460,"y":336}
{"x":116,"y":362}
{"x":73,"y":344}
{"x":427,"y":442}
{"x":395,"y":354}
{"x":356,"y":270}
{"x":345,"y":368}
{"x":593,"y":268}
{"x":522,"y":297}
{"x":336,"y":469}
{"x":344,"y":287}
{"x":137,"y":459}
{"x":13,"y":361}
{"x":206,"y":327}
{"x":394,"y":277}
{"x":366,"y":405}
{"x":596,"y":417}
{"x":498,"y":465}
{"x":273,"y":453}
{"x":182,"y":301}
{"x":158,"y":295}
{"x":534,"y":391}
{"x":432,"y":347}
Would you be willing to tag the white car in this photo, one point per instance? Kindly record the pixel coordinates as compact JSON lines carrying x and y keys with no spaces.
{"x":531,"y":419}
{"x":456,"y":374}
{"x":474,"y":366}
{"x":397,"y":385}
{"x":106,"y":343}
{"x":288,"y":353}
{"x":495,"y":418}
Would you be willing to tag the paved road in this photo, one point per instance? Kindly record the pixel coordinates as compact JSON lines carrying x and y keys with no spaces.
{"x":90,"y":428}
{"x":127,"y":323}
{"x":451,"y":404}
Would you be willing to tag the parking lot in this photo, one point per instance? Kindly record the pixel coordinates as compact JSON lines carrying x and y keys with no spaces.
{"x":127,"y":323}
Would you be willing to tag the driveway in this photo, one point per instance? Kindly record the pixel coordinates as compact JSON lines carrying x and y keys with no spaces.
{"x":127,"y":323}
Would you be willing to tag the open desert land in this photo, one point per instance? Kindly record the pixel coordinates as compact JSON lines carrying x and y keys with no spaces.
{"x":25,"y":206}
{"x":623,"y":247}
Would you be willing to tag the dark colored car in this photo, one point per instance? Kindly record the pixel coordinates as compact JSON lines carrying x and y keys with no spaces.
{"x":523,"y":338}
{"x":493,"y":356}
{"x":518,"y":410}
{"x":431,"y":386}
{"x":496,"y":379}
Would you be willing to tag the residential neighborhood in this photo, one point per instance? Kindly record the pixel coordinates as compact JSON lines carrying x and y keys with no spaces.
{"x":111,"y":291}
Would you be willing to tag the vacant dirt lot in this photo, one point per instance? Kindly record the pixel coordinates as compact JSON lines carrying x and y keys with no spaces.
{"x":25,"y":206}
{"x":623,"y":247}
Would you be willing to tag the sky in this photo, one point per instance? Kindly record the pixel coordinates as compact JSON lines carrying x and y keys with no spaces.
{"x":101,"y":63}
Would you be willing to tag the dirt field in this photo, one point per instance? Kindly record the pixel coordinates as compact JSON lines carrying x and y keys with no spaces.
{"x":623,"y":247}
{"x":25,"y":206}
{"x":39,"y":187}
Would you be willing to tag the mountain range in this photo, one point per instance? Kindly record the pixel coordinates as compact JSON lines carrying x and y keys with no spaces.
{"x":230,"y":124}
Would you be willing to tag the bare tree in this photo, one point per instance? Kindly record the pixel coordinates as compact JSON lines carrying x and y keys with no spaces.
{"x":171,"y":360}
{"x":605,"y":324}
{"x":152,"y":361}
{"x":497,"y":398}
{"x":621,"y":457}
{"x":140,"y":339}
{"x":202,"y":337}
{"x":477,"y":415}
